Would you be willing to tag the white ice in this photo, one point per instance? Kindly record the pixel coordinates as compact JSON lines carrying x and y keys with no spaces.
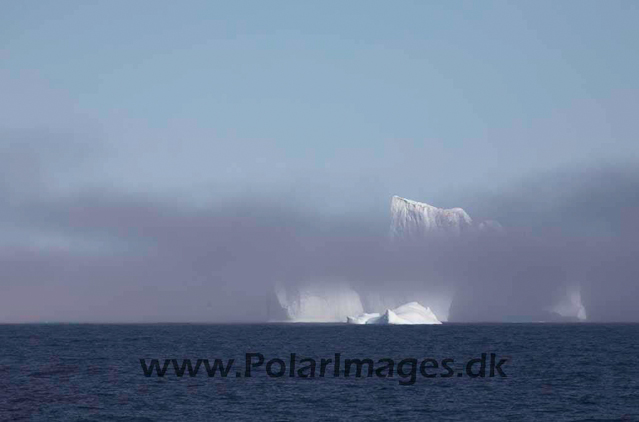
{"x":408,"y":314}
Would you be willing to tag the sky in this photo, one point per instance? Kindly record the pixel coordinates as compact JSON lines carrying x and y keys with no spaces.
{"x":132,"y":127}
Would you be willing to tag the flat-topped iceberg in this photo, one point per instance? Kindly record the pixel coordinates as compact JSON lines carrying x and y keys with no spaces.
{"x":412,"y":219}
{"x":409,"y":314}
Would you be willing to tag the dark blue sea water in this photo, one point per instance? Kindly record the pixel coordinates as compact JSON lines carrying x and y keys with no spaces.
{"x":570,"y":372}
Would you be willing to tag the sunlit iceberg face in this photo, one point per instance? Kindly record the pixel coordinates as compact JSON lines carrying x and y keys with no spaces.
{"x":318,"y":301}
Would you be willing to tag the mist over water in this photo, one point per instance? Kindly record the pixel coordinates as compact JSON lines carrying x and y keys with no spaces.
{"x":177,"y":166}
{"x":98,"y":254}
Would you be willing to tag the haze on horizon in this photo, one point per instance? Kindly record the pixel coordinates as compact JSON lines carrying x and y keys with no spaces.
{"x":171,"y":162}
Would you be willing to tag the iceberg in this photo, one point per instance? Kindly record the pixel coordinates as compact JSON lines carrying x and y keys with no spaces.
{"x":437,"y":299}
{"x":336,"y":300}
{"x":408,"y":314}
{"x":410,"y":219}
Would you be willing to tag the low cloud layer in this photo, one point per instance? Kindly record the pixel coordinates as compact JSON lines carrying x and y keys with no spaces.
{"x":103,"y":255}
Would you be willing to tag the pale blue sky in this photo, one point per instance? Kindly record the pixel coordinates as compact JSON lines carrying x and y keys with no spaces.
{"x":342,"y":104}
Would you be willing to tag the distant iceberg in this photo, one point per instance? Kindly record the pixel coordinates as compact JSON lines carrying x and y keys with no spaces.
{"x":570,"y":304}
{"x":409,"y":314}
{"x":412,"y":219}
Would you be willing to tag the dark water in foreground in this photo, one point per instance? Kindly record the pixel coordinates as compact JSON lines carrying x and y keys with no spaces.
{"x":92,"y":372}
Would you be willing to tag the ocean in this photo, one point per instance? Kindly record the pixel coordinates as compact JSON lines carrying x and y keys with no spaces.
{"x":93,"y":372}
